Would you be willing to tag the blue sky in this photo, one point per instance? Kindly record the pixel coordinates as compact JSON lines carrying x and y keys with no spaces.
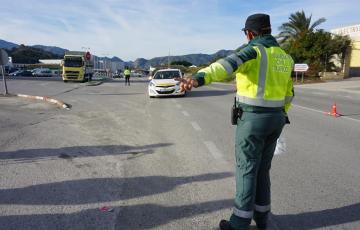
{"x":150,"y":28}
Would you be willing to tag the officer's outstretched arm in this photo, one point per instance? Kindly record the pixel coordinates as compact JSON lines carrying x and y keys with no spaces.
{"x":224,"y":68}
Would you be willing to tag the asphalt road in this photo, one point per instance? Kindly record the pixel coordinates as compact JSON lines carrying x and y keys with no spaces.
{"x":167,"y":163}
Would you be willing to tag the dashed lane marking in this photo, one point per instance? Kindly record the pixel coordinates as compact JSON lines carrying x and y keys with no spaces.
{"x":215,"y":152}
{"x":196,"y":126}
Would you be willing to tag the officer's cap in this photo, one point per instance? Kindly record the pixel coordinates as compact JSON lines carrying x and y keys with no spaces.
{"x":257,"y":23}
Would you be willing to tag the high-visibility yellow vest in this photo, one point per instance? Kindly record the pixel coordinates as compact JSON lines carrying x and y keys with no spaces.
{"x":127,"y":72}
{"x":265,"y":81}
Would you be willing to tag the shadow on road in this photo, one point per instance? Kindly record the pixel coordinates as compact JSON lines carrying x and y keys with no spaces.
{"x":95,"y":190}
{"x":319,"y":219}
{"x":32,"y":155}
{"x":149,"y":216}
{"x":134,"y":217}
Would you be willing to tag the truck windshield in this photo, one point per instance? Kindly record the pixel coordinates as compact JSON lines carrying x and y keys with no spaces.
{"x":73,"y":62}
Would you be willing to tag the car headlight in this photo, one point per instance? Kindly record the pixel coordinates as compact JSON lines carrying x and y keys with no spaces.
{"x":152,"y":84}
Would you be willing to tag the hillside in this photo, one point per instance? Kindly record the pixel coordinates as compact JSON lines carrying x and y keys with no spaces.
{"x":30,"y":55}
{"x":45,"y":52}
{"x":52,"y":49}
{"x":7,"y":45}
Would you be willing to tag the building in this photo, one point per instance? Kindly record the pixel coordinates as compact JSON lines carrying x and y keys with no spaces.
{"x":352,"y":59}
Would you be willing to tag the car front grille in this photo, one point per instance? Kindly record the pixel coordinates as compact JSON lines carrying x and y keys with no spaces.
{"x":165,"y":86}
{"x":165,"y":92}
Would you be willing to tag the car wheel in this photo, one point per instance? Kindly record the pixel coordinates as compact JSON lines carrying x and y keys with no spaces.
{"x":65,"y":81}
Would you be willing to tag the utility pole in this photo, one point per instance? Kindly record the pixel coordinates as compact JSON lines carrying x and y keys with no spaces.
{"x":169,"y":60}
{"x":4,"y":59}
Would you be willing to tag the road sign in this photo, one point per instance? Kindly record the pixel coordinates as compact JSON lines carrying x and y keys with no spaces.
{"x":88,"y":56}
{"x":301,"y":67}
{"x":4,"y":58}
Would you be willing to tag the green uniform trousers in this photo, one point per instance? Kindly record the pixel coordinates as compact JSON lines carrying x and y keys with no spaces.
{"x":256,"y":137}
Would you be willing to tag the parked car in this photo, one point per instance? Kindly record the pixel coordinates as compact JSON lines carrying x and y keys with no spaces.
{"x":42,"y":73}
{"x":23,"y":73}
{"x":163,"y":83}
{"x":118,"y":75}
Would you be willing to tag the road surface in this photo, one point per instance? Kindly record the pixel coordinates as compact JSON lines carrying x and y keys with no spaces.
{"x":168,"y":163}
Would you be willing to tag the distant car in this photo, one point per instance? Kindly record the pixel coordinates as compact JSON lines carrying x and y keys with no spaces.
{"x":23,"y":73}
{"x":163,"y":83}
{"x":42,"y":73}
{"x":118,"y":75}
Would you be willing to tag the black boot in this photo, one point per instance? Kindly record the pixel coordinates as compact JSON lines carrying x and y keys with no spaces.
{"x":225,"y":225}
{"x":261,"y":226}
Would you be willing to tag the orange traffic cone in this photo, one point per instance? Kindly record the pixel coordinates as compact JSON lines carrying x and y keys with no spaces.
{"x":334,"y":112}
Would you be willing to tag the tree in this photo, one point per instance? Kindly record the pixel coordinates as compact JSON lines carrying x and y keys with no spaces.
{"x":298,"y":26}
{"x":318,"y":49}
{"x":183,"y":63}
{"x":29,"y":55}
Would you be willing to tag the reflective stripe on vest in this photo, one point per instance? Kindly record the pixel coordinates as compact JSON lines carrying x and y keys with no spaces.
{"x":226,"y":65}
{"x":262,"y":208}
{"x":262,"y":73}
{"x":243,"y":214}
{"x":230,"y":68}
{"x":260,"y":101}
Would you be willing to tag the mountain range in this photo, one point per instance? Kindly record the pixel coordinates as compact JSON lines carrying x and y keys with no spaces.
{"x":195,"y":59}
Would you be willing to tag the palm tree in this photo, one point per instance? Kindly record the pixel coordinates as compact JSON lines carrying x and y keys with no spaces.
{"x":298,"y":26}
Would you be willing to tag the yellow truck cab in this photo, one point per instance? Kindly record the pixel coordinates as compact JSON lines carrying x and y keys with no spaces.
{"x":77,"y":66}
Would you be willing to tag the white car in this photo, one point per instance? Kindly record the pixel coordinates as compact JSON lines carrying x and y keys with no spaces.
{"x":163,"y":83}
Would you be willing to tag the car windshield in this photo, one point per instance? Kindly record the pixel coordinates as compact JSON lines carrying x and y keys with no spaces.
{"x":73,"y":62}
{"x":167,"y":75}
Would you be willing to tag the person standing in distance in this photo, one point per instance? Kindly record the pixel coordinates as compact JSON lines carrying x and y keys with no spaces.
{"x":263,"y":97}
{"x":127,"y":74}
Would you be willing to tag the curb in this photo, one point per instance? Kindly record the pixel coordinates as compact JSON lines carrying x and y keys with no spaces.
{"x":59,"y":103}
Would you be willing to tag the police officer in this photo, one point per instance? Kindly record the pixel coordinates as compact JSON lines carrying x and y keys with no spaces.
{"x":127,"y":74}
{"x":264,"y":93}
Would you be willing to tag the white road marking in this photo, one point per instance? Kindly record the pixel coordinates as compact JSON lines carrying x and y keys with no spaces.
{"x":310,"y":109}
{"x":215,"y":152}
{"x":186,"y":114}
{"x":196,"y":126}
{"x":319,"y":111}
{"x":217,"y":88}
